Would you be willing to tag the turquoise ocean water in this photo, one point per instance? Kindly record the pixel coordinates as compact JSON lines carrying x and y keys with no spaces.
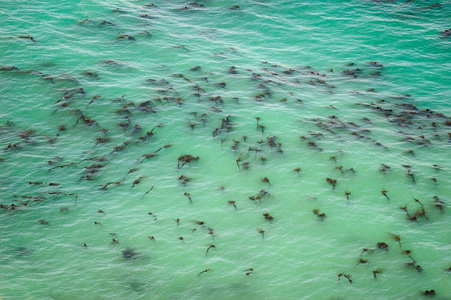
{"x":120,"y":117}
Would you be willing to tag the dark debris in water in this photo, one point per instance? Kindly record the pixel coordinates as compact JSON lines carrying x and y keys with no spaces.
{"x":205,"y":98}
{"x":128,"y":253}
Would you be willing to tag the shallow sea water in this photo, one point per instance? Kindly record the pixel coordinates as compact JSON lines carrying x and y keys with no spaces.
{"x":343,"y":86}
